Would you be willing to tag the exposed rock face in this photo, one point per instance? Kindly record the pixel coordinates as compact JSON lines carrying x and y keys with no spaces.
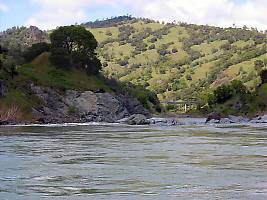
{"x":133,"y":105}
{"x":35,"y":35}
{"x":96,"y":106}
{"x":74,"y":106}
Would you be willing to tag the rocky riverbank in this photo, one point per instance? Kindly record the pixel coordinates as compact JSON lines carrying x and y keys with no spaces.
{"x":88,"y":106}
{"x":178,"y":121}
{"x":80,"y":107}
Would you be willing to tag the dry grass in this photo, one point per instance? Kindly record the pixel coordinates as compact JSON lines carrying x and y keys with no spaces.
{"x":12,"y":114}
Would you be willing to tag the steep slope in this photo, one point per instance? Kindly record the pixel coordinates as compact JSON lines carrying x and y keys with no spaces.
{"x":178,"y":61}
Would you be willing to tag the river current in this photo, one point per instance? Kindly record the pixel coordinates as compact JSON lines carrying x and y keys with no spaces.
{"x":80,"y":162}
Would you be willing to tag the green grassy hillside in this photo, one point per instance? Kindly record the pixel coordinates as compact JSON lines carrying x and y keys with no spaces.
{"x":178,"y":61}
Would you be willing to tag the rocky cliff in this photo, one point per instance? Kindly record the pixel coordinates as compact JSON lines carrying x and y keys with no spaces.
{"x":75,"y":106}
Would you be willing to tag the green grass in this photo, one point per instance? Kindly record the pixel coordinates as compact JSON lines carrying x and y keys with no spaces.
{"x":139,"y":26}
{"x":179,"y":56}
{"x":43,"y":73}
{"x":100,"y":33}
{"x":241,"y":44}
{"x":17,"y":97}
{"x":120,"y":51}
{"x":144,"y":58}
{"x":202,"y":71}
{"x":24,"y":101}
{"x":207,"y":48}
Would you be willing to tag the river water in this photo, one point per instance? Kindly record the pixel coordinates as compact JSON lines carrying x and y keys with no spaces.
{"x":127,"y":162}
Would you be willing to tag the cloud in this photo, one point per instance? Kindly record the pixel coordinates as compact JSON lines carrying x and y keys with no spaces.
{"x":223,"y":13}
{"x":3,"y":7}
{"x":220,"y":12}
{"x":53,"y":13}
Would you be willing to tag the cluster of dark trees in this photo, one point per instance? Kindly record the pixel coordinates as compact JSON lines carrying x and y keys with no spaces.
{"x":225,"y":92}
{"x":260,"y":64}
{"x":127,"y":35}
{"x":115,"y":21}
{"x":2,"y":53}
{"x":109,"y":22}
{"x":7,"y":65}
{"x":209,"y":33}
{"x":71,"y":47}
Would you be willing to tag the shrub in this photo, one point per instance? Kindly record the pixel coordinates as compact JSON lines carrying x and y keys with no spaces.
{"x":35,"y":50}
{"x":153,"y":39}
{"x":263,"y":76}
{"x":189,"y":77}
{"x":72,"y":110}
{"x":174,"y":50}
{"x":60,"y":57}
{"x":259,"y":64}
{"x":123,"y":62}
{"x":152,"y":46}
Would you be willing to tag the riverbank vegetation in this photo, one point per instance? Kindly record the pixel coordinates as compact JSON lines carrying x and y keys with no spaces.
{"x":236,"y":99}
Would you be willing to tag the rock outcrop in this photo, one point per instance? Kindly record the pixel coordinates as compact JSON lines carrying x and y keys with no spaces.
{"x":164,"y":121}
{"x":260,"y":119}
{"x":237,"y":119}
{"x":137,"y":119}
{"x":75,"y":106}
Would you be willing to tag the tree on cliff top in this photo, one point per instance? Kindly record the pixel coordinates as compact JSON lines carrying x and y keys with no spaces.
{"x":74,"y":46}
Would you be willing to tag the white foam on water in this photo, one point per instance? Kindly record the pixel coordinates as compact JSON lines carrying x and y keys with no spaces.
{"x":63,"y":124}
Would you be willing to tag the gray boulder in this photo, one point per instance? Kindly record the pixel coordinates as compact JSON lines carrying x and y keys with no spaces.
{"x":264,"y":118}
{"x":164,"y":121}
{"x":237,"y":119}
{"x":260,"y":119}
{"x":225,"y":121}
{"x":137,"y":119}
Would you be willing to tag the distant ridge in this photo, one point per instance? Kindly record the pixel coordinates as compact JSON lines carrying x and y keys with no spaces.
{"x":113,"y":21}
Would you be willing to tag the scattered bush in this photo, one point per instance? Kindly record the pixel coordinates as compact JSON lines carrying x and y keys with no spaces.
{"x":35,"y":50}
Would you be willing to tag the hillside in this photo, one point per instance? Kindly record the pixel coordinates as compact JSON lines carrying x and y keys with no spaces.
{"x":178,"y":61}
